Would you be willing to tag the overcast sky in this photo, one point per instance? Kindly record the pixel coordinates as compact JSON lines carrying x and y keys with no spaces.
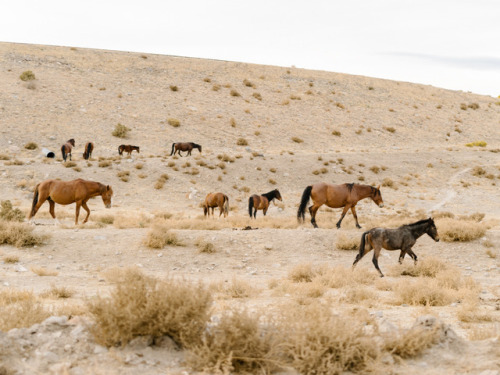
{"x":453,"y":44}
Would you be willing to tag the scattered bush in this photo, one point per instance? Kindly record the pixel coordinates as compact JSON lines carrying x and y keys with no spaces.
{"x":20,"y":309}
{"x":477,"y":144}
{"x":104,"y":163}
{"x":120,"y":131}
{"x":123,"y":175}
{"x":160,"y":236}
{"x":70,"y":164}
{"x":206,"y":247}
{"x":390,"y":129}
{"x":345,"y":242}
{"x":31,"y":146}
{"x":27,"y":75}
{"x":247,"y":83}
{"x":42,"y":271}
{"x":452,"y":230}
{"x":19,"y":235}
{"x":8,"y":213}
{"x":140,"y":305}
{"x":257,"y":96}
{"x":336,"y":133}
{"x":297,"y":140}
{"x":161,"y":181}
{"x":242,"y":142}
{"x":234,"y":93}
{"x":174,"y":122}
{"x":174,"y":88}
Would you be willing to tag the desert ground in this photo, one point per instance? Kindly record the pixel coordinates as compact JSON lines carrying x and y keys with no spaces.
{"x":433,"y":152}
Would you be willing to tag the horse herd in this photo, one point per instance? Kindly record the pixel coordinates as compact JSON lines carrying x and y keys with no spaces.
{"x":344,"y":196}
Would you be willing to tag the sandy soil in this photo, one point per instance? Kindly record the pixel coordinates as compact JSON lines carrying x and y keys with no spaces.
{"x":414,"y":134}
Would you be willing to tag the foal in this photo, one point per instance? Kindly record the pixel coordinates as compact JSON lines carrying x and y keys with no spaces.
{"x":402,"y":238}
{"x":66,"y":148}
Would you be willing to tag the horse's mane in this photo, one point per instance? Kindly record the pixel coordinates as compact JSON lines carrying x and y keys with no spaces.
{"x":420,"y":222}
{"x":350,"y":186}
{"x":271,"y":194}
{"x":196,"y":145}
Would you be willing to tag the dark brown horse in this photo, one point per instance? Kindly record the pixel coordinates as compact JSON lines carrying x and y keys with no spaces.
{"x":128,"y":149}
{"x":66,"y":148}
{"x":336,"y":196}
{"x":67,"y":192}
{"x":213,"y":200}
{"x":402,"y":238}
{"x":187,"y":146}
{"x":261,"y":202}
{"x":89,"y":147}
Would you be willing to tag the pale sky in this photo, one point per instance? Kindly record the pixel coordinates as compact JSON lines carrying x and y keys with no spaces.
{"x":454,"y":44}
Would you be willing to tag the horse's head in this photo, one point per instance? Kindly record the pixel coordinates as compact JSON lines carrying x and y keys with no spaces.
{"x":277,"y":194}
{"x":85,"y":155}
{"x":432,"y":230}
{"x":107,"y":193}
{"x":199,"y":148}
{"x":72,"y":141}
{"x":138,"y":149}
{"x":377,"y":197}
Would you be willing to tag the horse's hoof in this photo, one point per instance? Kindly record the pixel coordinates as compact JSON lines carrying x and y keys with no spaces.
{"x":358,"y":226}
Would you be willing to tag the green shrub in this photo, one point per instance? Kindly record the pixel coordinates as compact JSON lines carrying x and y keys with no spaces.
{"x":28,"y":75}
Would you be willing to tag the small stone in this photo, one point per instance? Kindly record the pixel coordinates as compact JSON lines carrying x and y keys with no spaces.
{"x":98,"y":349}
{"x":58,"y":320}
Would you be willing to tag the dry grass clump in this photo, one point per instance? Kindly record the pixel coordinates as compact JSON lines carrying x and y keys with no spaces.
{"x":174,"y":88}
{"x":8,"y":213}
{"x":20,"y":235}
{"x":14,"y":162}
{"x":31,"y":146}
{"x":4,"y":157}
{"x":27,"y":75}
{"x":70,"y":164}
{"x":58,"y":292}
{"x":390,"y":129}
{"x":234,"y":93}
{"x":347,"y":242}
{"x":319,"y":342}
{"x":174,"y":122}
{"x":161,"y":181}
{"x":478,"y":171}
{"x":206,"y":247}
{"x":104,"y":163}
{"x":387,"y":182}
{"x":19,"y":309}
{"x":236,"y":344}
{"x":226,"y":158}
{"x":477,"y":144}
{"x":339,"y":277}
{"x":140,"y":305}
{"x":237,"y":288}
{"x":297,"y":140}
{"x":242,"y":142}
{"x":10,"y":259}
{"x":105,"y":219}
{"x":120,"y":131}
{"x":257,"y":96}
{"x":302,"y":273}
{"x":452,"y":230}
{"x":470,"y":313}
{"x":123,"y":175}
{"x":426,"y":267}
{"x":42,"y":271}
{"x":160,"y":236}
{"x":375,"y":169}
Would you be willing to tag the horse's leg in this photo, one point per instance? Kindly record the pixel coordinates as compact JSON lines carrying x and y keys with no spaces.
{"x":221,"y":209}
{"x":375,"y":260}
{"x":77,"y":211}
{"x":312,"y":210}
{"x":86,"y":208}
{"x":359,"y":256}
{"x":401,"y":256}
{"x":344,"y":211}
{"x":41,"y":200}
{"x":412,"y":254}
{"x":353,"y":210}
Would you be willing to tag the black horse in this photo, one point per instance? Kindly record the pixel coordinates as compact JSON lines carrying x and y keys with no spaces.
{"x":402,"y":238}
{"x":261,"y":202}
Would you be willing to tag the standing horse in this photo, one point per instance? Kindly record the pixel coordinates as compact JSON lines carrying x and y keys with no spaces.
{"x":213,"y":200}
{"x":187,"y":146}
{"x":402,"y":238}
{"x":89,"y":147}
{"x":66,"y":149}
{"x":128,"y":149}
{"x":67,"y":192}
{"x":336,"y":196}
{"x":261,"y":202}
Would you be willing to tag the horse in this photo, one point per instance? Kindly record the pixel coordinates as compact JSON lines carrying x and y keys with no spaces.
{"x":213,"y":200}
{"x":66,"y":148}
{"x":336,"y":196}
{"x":402,"y":238}
{"x":261,"y":202}
{"x":89,"y":147}
{"x":187,"y":146}
{"x":67,"y":192}
{"x":128,"y":149}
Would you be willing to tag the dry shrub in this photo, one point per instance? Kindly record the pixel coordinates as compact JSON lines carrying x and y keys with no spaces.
{"x":20,"y":235}
{"x":257,"y":96}
{"x":58,"y":292}
{"x":347,"y":242}
{"x":356,"y":294}
{"x":478,"y":171}
{"x":173,"y":88}
{"x":375,"y":169}
{"x":242,"y":142}
{"x":336,"y":133}
{"x":297,"y":140}
{"x":412,"y":342}
{"x":161,"y":181}
{"x":234,"y":93}
{"x":452,"y":230}
{"x":206,"y":247}
{"x":14,"y":162}
{"x":27,"y":75}
{"x":339,"y":277}
{"x":8,"y":213}
{"x":31,"y":146}
{"x":70,"y":164}
{"x":387,"y":182}
{"x":174,"y":122}
{"x":105,"y":219}
{"x":120,"y":131}
{"x":427,"y":267}
{"x":19,"y":309}
{"x":4,"y":157}
{"x":42,"y":271}
{"x":104,"y":163}
{"x":302,"y":273}
{"x":140,"y":305}
{"x":470,"y":313}
{"x":160,"y":236}
{"x":237,"y":343}
{"x":238,"y":288}
{"x":10,"y":259}
{"x":319,"y":342}
{"x":390,"y":129}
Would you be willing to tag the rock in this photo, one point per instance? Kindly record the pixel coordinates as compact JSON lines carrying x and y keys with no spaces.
{"x":98,"y":349}
{"x":140,"y":342}
{"x":58,"y":320}
{"x":165,"y":342}
{"x":19,"y":268}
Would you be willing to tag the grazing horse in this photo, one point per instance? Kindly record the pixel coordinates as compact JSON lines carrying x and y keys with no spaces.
{"x":67,"y":192}
{"x":213,"y":200}
{"x":128,"y":149}
{"x":261,"y":202}
{"x":89,"y":147}
{"x":187,"y":146}
{"x":402,"y":238}
{"x":336,"y":196}
{"x":66,"y":148}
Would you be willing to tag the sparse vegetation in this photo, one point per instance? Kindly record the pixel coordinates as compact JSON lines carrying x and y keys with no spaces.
{"x":297,"y":140}
{"x":161,"y":181}
{"x":174,"y":122}
{"x":31,"y":146}
{"x":9,"y":213}
{"x":477,"y":144}
{"x":20,"y":235}
{"x":27,"y":75}
{"x":120,"y":131}
{"x":242,"y":142}
{"x":160,"y":236}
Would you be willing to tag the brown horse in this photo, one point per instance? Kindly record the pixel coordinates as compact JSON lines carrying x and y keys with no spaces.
{"x":402,"y":238}
{"x":89,"y":147}
{"x":66,"y":148}
{"x":336,"y":196}
{"x":261,"y":202}
{"x":213,"y":200}
{"x":128,"y":149}
{"x":187,"y":146}
{"x":67,"y":192}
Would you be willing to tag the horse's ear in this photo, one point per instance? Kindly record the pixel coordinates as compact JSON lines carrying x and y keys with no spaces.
{"x":378,"y":187}
{"x":107,"y":187}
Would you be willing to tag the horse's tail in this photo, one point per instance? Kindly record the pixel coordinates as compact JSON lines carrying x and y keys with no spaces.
{"x":173,"y":145}
{"x":361,"y":247}
{"x":89,"y":150}
{"x":303,"y":203}
{"x":120,"y":149}
{"x":250,"y":206}
{"x":35,"y":201}
{"x":226,"y":205}
{"x":63,"y":151}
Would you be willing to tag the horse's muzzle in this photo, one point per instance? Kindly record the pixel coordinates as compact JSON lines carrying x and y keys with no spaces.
{"x":108,"y":205}
{"x":381,"y":205}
